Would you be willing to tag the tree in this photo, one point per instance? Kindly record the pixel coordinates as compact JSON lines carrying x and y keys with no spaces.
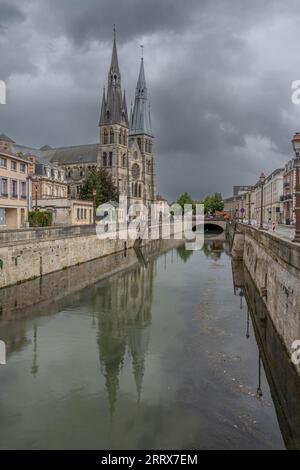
{"x":185,"y":198}
{"x":101,"y":181}
{"x":213,"y":203}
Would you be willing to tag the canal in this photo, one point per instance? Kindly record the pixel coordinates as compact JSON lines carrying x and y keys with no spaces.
{"x":169,"y":353}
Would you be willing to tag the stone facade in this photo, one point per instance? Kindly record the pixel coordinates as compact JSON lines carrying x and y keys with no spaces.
{"x":289,"y":199}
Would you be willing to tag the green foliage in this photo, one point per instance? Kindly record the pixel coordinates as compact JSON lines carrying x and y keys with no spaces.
{"x":40,"y":218}
{"x":101,"y":181}
{"x":213,"y":203}
{"x":183,"y":253}
{"x":185,"y":198}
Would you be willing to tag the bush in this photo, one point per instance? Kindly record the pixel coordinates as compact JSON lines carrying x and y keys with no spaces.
{"x":40,"y":218}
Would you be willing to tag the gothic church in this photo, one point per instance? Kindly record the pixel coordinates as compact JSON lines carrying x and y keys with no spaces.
{"x":125,"y":148}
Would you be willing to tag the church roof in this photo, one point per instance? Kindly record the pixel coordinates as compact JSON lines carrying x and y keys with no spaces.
{"x":140,"y":121}
{"x":6,"y":138}
{"x":72,"y":155}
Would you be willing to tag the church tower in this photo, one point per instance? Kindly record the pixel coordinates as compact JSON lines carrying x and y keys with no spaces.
{"x":140,"y":134}
{"x":113,"y":149}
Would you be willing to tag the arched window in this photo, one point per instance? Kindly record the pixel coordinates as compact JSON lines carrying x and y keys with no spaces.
{"x":104,"y":159}
{"x":120,"y":137}
{"x":139,"y":143}
{"x":105,"y":137}
{"x":112,"y":137}
{"x":110,"y":159}
{"x":140,"y":190}
{"x":132,"y":189}
{"x":150,"y":146}
{"x":136,"y":190}
{"x":146,"y":146}
{"x":124,"y":138}
{"x":124,"y":161}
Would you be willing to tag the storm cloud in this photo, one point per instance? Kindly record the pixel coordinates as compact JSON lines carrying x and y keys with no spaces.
{"x":219,"y":76}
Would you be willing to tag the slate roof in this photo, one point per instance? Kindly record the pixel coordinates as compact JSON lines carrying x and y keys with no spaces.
{"x":140,"y":118}
{"x":72,"y":155}
{"x":6,"y":138}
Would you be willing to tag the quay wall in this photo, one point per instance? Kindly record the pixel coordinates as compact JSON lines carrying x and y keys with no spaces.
{"x":274,"y":265}
{"x":31,"y":253}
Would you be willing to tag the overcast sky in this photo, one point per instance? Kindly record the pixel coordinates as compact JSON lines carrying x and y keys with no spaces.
{"x":219,"y":76}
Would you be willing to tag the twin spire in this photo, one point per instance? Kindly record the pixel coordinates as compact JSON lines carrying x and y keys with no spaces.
{"x":114,"y":106}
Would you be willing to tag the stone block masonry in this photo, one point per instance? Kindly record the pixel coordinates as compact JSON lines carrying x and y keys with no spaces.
{"x":30,"y":253}
{"x":27,"y":254}
{"x":274,"y":265}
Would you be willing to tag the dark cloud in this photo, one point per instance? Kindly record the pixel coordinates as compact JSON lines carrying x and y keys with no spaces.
{"x":9,"y":13}
{"x":219,"y":76}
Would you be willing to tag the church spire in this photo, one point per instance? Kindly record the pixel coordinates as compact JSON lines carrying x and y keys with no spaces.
{"x":114,"y":109}
{"x":114,"y":67}
{"x":140,"y":122}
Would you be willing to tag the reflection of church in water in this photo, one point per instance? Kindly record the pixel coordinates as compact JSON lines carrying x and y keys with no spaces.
{"x":123,"y":306}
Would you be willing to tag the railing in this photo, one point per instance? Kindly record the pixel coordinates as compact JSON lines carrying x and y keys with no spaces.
{"x":43,"y":233}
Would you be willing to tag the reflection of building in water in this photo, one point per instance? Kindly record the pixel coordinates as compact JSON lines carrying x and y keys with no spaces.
{"x":213,"y":249}
{"x":123,"y":308}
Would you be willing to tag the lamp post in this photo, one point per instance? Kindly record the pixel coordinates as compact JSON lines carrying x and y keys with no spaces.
{"x":296,"y":146}
{"x":36,"y":196}
{"x":262,"y":180}
{"x":249,"y":208}
{"x":94,"y":205}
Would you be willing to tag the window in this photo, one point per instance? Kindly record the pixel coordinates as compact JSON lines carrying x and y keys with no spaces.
{"x":23,"y":168}
{"x":2,"y":217}
{"x":78,"y":214}
{"x":3,"y":162}
{"x":14,"y":165}
{"x":124,"y":161}
{"x":110,"y":158}
{"x":105,"y":140}
{"x":84,"y":214}
{"x":14,"y":189}
{"x":81,"y":213}
{"x":124,"y":138}
{"x":112,"y":138}
{"x":23,"y":190}
{"x":104,"y":159}
{"x":4,"y":187}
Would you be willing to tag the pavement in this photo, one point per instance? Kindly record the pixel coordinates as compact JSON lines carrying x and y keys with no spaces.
{"x":284,"y":231}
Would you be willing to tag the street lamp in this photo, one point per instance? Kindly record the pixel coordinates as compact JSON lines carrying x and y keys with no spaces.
{"x":249,"y":208}
{"x":94,"y":204}
{"x":262,"y":180}
{"x":296,"y":146}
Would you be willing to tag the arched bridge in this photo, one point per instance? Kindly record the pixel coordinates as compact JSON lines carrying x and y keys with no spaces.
{"x":214,"y":224}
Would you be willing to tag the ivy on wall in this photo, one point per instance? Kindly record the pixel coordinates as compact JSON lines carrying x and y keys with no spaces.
{"x":40,"y":218}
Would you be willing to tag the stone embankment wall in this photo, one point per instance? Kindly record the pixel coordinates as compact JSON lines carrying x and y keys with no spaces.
{"x":274,"y":265}
{"x":30,"y":253}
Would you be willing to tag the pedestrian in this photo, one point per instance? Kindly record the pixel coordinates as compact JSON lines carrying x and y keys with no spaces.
{"x":273,"y":226}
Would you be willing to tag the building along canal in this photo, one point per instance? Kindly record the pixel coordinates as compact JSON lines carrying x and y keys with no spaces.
{"x":173,"y":351}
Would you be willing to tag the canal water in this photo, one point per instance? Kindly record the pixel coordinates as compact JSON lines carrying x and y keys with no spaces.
{"x":162,"y":355}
